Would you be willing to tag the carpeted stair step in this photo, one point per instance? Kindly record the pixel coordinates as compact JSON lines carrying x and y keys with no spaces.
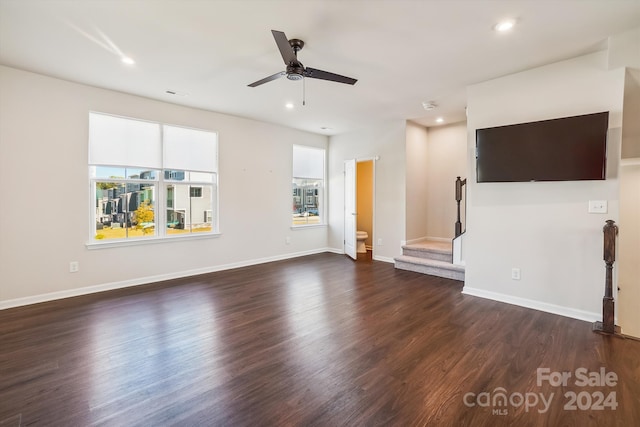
{"x":430,"y":266}
{"x":421,"y":251}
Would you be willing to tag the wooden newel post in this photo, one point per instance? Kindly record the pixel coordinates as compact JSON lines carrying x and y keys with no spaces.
{"x":459,"y":184}
{"x":607,"y":325}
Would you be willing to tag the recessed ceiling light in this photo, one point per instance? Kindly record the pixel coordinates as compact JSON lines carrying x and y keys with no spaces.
{"x":127,"y":60}
{"x":439,"y":120}
{"x":289,"y":105}
{"x":504,"y":26}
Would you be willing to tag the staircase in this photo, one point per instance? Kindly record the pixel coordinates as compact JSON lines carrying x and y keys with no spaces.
{"x":430,"y":257}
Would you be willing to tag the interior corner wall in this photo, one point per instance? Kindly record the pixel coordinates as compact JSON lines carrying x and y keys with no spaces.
{"x":543,"y":228}
{"x":631,"y":115}
{"x":45,"y":197}
{"x":386,"y":140}
{"x":624,"y":49}
{"x":446,"y":160}
{"x":417,"y":182}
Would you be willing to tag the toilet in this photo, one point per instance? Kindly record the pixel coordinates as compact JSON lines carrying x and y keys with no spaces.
{"x":361,"y":236}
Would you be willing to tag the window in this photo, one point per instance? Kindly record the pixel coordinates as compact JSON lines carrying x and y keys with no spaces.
{"x":308,"y":185}
{"x":145,"y":174}
{"x":195,"y":191}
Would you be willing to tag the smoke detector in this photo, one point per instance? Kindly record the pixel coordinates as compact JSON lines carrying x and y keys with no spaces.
{"x":429,"y":105}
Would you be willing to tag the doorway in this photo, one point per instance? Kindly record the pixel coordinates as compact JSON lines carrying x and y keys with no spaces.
{"x":359,"y":212}
{"x":364,"y":206}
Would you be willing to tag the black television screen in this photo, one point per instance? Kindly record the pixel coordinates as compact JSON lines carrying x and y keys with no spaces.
{"x":564,"y":149}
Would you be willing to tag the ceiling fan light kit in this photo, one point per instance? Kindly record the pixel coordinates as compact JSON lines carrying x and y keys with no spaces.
{"x":295,"y":70}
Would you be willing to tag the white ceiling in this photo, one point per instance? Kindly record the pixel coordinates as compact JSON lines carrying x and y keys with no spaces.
{"x":401,"y":52}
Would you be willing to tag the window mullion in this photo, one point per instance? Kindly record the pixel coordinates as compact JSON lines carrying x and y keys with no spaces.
{"x":161,"y":207}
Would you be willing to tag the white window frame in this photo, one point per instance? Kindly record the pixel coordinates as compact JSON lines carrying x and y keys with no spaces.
{"x":160,"y":203}
{"x":322,"y":211}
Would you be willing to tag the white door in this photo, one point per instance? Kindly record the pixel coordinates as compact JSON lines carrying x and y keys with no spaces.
{"x":350,"y":208}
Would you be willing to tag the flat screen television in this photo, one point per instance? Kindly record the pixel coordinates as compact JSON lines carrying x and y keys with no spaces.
{"x":565,"y":149}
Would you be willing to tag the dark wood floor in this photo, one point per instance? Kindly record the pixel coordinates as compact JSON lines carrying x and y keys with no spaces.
{"x":318,"y":340}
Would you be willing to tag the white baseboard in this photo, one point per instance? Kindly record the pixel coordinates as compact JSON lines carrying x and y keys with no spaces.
{"x":375,"y":257}
{"x":440,"y":239}
{"x":412,"y":241}
{"x":35,"y":299}
{"x":338,"y":251}
{"x":536,"y":305}
{"x":384,"y":259}
{"x":421,"y":239}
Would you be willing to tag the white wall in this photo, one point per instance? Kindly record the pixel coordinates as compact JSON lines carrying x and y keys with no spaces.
{"x":631,"y":115}
{"x":543,"y":228}
{"x":417,"y":203}
{"x":44,"y":192}
{"x":446,"y":160}
{"x":628,"y":266}
{"x":386,"y":140}
{"x":624,"y":49}
{"x":628,"y":299}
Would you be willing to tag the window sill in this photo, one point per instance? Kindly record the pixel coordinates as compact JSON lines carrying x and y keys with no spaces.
{"x":301,"y":227}
{"x":149,"y":241}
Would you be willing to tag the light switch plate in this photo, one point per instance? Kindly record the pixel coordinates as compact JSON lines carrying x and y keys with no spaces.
{"x":598,"y":206}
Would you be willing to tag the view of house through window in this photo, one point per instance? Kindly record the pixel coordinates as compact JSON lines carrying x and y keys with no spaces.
{"x":308,"y":185}
{"x":173,"y":182}
{"x":189,"y":207}
{"x":125,"y":202}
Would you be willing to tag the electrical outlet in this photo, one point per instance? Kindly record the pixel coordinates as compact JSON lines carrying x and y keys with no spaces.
{"x":598,"y":206}
{"x":379,"y":242}
{"x":74,"y":267}
{"x":515,"y":273}
{"x":287,"y":240}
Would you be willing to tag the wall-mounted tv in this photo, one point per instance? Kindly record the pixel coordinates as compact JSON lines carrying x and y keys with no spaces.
{"x":565,"y":149}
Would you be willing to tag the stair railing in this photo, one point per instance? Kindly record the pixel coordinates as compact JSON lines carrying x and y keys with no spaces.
{"x":459,"y":195}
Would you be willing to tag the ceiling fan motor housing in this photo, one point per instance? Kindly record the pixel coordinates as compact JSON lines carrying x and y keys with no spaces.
{"x":295,"y":71}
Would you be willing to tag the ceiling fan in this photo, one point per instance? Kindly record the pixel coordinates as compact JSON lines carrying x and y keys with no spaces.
{"x":295,"y":70}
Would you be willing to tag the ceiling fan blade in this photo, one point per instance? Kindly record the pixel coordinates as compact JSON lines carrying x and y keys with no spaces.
{"x":267,"y":79}
{"x":286,"y":50}
{"x":325,"y":75}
